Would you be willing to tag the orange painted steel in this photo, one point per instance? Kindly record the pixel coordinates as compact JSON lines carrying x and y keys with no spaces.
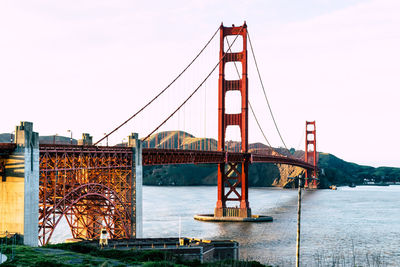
{"x":310,"y":155}
{"x":91,"y":187}
{"x":233,"y":174}
{"x":155,"y":156}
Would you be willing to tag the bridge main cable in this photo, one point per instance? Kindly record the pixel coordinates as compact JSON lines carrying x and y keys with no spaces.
{"x":190,"y":96}
{"x":265,"y":95}
{"x":165,"y":89}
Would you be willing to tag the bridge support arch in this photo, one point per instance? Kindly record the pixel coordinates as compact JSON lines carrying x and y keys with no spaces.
{"x":86,"y":208}
{"x":91,"y":187}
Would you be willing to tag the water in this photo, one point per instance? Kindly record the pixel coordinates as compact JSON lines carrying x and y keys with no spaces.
{"x":350,"y":225}
{"x":360,"y":225}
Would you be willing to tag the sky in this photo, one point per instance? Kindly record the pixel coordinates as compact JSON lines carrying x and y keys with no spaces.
{"x":86,"y":66}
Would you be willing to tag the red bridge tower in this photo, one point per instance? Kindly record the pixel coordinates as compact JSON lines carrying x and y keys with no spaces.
{"x":233,"y":175}
{"x":310,"y":155}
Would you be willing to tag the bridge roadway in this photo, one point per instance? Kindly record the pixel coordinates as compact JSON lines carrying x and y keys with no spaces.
{"x":157,"y":156}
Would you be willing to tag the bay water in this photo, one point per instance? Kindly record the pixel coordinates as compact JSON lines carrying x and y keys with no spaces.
{"x":344,"y":227}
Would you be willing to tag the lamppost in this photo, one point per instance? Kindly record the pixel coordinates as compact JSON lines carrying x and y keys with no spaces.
{"x":71,"y":136}
{"x":106,"y":138}
{"x":54,"y":138}
{"x":298,"y":224}
{"x":299,"y":179}
{"x":11,"y":136}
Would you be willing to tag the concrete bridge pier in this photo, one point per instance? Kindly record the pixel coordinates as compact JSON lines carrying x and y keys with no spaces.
{"x":19,"y":188}
{"x":137,"y":175}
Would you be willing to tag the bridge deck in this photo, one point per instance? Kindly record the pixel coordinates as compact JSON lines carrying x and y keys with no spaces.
{"x":83,"y":149}
{"x":156,"y":156}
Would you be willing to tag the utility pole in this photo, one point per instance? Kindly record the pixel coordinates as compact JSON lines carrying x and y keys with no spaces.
{"x":298,"y":223}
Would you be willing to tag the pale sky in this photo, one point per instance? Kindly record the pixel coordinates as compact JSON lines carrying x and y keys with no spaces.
{"x":88,"y":65}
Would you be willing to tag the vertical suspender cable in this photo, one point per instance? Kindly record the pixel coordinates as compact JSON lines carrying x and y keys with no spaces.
{"x":251,"y":108}
{"x":162,"y":91}
{"x":265,"y":95}
{"x":195,"y":91}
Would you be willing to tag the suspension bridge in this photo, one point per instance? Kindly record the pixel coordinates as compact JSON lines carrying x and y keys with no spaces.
{"x":94,"y":186}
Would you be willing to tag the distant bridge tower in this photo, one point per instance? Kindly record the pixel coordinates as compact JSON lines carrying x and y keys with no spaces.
{"x":310,"y":155}
{"x":233,"y":175}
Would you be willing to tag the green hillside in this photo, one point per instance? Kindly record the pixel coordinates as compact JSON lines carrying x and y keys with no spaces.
{"x":6,"y":137}
{"x":332,"y":169}
{"x":43,"y":139}
{"x":337,"y":171}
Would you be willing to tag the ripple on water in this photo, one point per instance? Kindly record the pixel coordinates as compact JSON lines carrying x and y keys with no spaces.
{"x":362,"y":221}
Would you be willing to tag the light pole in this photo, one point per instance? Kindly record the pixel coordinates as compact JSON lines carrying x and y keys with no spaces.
{"x":71,"y":136}
{"x":298,"y":224}
{"x":106,"y":138}
{"x":11,"y":136}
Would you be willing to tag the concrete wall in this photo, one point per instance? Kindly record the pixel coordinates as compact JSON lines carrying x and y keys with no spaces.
{"x":19,"y":193}
{"x":12,"y":195}
{"x":87,"y":140}
{"x":139,"y":190}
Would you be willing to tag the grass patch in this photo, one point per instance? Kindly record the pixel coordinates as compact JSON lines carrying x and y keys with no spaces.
{"x":80,"y":254}
{"x":28,"y":256}
{"x":131,"y":256}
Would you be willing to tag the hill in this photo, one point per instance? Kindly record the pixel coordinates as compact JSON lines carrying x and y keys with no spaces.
{"x":6,"y":137}
{"x":332,"y":169}
{"x":43,"y":139}
{"x":56,"y":139}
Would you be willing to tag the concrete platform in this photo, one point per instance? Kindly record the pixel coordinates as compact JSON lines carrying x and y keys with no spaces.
{"x":187,"y":248}
{"x":253,"y":218}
